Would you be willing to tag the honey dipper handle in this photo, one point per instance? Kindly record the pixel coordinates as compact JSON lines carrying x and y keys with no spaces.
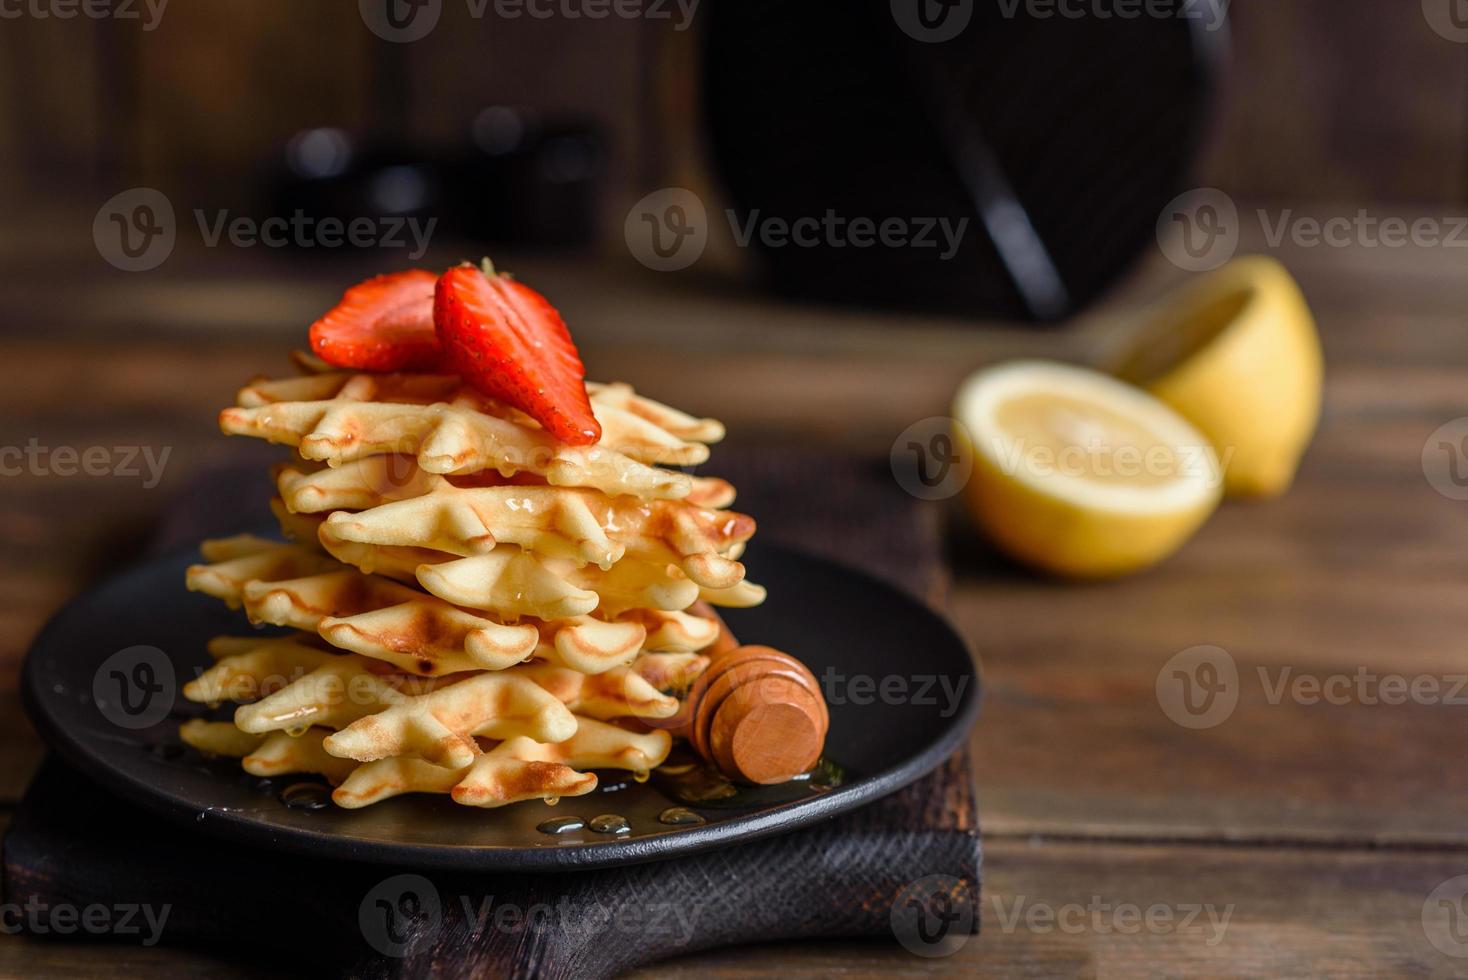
{"x":757,"y":715}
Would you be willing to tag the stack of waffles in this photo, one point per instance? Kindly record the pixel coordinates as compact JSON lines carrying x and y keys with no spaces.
{"x":477,"y":609}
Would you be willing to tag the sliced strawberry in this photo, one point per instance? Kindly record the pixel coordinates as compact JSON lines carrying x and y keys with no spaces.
{"x":506,"y":340}
{"x":383,"y":324}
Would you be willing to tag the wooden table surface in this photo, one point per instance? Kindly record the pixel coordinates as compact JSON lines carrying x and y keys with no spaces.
{"x":1318,"y":829}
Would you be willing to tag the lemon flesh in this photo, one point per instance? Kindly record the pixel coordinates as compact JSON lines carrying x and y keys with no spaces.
{"x":1239,"y":357}
{"x":1079,"y":474}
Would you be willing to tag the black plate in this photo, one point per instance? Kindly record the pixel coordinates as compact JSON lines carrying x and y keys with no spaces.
{"x":836,"y":619}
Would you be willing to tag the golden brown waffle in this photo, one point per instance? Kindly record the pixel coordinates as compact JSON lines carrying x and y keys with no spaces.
{"x":310,"y":487}
{"x":514,"y":770}
{"x":508,"y":772}
{"x":511,"y":582}
{"x":555,"y":522}
{"x":481,"y":610}
{"x":289,"y":685}
{"x":420,"y":633}
{"x":450,"y":428}
{"x":440,"y":726}
{"x":638,"y":427}
{"x":273,"y":754}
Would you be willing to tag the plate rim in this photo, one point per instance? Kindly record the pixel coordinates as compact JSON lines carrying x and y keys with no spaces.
{"x":239,"y":828}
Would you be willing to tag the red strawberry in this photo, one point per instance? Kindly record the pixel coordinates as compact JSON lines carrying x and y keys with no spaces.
{"x":506,"y":340}
{"x":383,"y":324}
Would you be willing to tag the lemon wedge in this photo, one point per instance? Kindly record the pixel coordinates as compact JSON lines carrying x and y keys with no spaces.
{"x":1238,"y":356}
{"x":1080,"y":474}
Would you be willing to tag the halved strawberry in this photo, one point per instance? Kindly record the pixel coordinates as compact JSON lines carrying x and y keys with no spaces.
{"x":383,"y":324}
{"x":506,"y":340}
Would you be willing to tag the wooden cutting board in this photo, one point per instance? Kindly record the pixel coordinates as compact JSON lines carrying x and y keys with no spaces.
{"x":906,"y":867}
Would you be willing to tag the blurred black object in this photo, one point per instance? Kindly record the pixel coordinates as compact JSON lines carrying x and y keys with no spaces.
{"x":1060,"y":139}
{"x":518,"y":178}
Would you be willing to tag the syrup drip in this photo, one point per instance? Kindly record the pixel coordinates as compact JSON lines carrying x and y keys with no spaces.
{"x":610,"y":823}
{"x":560,"y":825}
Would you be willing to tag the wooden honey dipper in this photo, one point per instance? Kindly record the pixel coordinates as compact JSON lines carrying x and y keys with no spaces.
{"x":756,"y":713}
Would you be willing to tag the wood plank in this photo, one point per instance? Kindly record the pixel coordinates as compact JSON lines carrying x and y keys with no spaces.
{"x":1350,"y":913}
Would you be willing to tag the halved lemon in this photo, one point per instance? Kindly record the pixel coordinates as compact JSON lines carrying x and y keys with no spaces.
{"x":1078,"y":473}
{"x":1238,"y":356}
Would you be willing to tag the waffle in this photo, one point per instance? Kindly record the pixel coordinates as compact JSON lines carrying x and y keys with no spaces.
{"x":514,"y":770}
{"x":450,"y":428}
{"x":286,"y":684}
{"x":288,"y":585}
{"x":310,"y":487}
{"x":273,"y":754}
{"x":511,"y":771}
{"x":477,"y":609}
{"x":556,"y":522}
{"x":638,"y":427}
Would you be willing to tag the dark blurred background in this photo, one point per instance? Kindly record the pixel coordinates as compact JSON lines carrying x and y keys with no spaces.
{"x":540,"y":131}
